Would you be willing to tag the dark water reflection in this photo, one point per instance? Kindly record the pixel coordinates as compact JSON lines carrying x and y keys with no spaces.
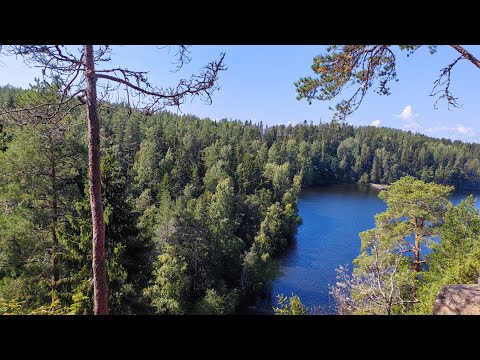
{"x":332,"y":218}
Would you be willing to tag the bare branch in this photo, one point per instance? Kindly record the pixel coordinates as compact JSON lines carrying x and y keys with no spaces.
{"x":183,"y":56}
{"x":443,"y":82}
{"x":200,"y":85}
{"x":69,"y":85}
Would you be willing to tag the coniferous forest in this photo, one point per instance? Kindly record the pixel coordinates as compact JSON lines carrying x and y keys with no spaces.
{"x":196,"y":211}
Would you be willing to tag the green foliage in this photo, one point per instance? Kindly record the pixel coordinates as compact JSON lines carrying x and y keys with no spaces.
{"x":413,"y":198}
{"x":215,"y":304}
{"x":14,"y":307}
{"x":11,"y":307}
{"x":292,"y":306}
{"x":171,"y":282}
{"x":80,"y":304}
{"x":347,"y":65}
{"x":384,"y":280}
{"x":259,"y":271}
{"x":414,"y":208}
{"x":361,"y":67}
{"x":278,"y":175}
{"x":456,"y":259}
{"x":364,"y":179}
{"x":41,"y":167}
{"x":128,"y":251}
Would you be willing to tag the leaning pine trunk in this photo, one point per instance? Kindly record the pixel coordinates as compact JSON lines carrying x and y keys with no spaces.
{"x":99,"y":264}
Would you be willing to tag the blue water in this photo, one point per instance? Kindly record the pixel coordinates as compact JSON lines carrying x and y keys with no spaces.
{"x":332,"y":216}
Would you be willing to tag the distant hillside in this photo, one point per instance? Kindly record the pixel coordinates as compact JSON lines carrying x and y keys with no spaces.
{"x":326,"y":152}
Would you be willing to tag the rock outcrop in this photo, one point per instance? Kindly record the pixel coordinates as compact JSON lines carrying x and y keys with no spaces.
{"x":458,"y":300}
{"x":379,"y":186}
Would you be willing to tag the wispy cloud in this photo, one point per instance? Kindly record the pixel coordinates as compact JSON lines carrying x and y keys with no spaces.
{"x":408,"y":117}
{"x":464,"y":130}
{"x":436,"y":129}
{"x":375,"y":123}
{"x":459,"y":129}
{"x":412,"y":125}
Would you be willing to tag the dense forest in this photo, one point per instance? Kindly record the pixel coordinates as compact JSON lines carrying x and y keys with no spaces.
{"x":196,"y":211}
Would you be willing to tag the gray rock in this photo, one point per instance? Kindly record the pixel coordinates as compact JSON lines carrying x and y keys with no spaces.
{"x":458,"y":300}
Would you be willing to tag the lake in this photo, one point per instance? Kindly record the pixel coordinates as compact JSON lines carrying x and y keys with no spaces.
{"x":332,"y":216}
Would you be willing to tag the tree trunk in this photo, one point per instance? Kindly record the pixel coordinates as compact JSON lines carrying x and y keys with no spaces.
{"x":416,"y":250}
{"x":53,"y":226}
{"x":99,"y":264}
{"x":55,"y":272}
{"x":467,"y":55}
{"x":416,"y":255}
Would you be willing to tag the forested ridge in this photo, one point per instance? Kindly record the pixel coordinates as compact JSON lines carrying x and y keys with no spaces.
{"x":196,"y":211}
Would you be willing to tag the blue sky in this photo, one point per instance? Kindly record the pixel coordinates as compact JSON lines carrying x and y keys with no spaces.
{"x":258,"y":86}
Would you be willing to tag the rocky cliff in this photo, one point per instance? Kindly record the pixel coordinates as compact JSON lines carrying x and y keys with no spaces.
{"x":458,"y":300}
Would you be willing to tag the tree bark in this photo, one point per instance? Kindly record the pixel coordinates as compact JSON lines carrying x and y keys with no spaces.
{"x":467,"y":55}
{"x":55,"y":272}
{"x":416,"y":249}
{"x":99,"y":264}
{"x":53,"y":225}
{"x":416,"y":253}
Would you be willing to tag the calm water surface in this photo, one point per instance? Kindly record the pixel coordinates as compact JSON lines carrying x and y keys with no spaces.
{"x":332,"y":218}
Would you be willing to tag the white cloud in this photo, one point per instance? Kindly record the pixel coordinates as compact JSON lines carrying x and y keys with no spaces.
{"x":407,"y":113}
{"x":375,"y":123}
{"x":464,"y":130}
{"x":408,"y":117}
